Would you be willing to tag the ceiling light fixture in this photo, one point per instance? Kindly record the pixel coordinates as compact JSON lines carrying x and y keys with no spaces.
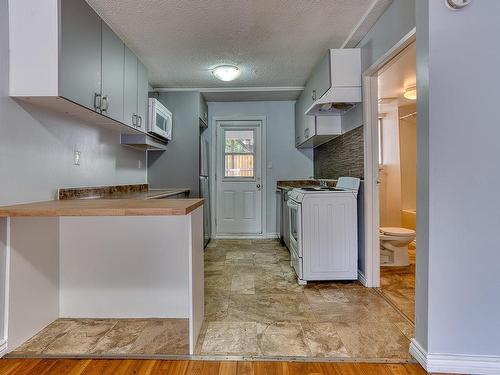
{"x":226,"y":72}
{"x":411,"y":93}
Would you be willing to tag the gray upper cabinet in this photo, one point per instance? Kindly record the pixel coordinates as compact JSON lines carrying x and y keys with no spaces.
{"x":320,"y":79}
{"x":68,"y":58}
{"x":112,"y":79}
{"x":203,"y":110}
{"x":135,"y":91}
{"x":142,"y":96}
{"x":80,"y":53}
{"x":130,"y":89}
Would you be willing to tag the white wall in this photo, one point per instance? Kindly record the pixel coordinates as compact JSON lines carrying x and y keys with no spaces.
{"x":458,"y":132}
{"x":287,"y":161}
{"x":390,"y":175}
{"x":396,"y":22}
{"x":36,"y":146}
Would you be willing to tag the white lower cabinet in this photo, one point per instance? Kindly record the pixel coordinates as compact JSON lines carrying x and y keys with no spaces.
{"x":329,"y":238}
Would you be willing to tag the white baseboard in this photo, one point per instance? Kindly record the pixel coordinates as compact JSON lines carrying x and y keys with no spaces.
{"x":362,"y":278}
{"x":246,"y":236}
{"x":455,"y":363}
{"x":3,"y":347}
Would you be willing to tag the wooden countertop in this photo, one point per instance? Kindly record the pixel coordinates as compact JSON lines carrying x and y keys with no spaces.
{"x":104,"y":207}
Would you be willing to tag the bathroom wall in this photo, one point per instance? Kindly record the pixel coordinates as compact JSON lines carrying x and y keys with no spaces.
{"x":390,"y":170}
{"x":408,"y":156}
{"x":342,"y":156}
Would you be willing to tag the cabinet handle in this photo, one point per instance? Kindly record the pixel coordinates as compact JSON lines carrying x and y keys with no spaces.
{"x":97,"y":101}
{"x":314,"y":95}
{"x":140,"y":122}
{"x":134,"y":119}
{"x":104,"y":103}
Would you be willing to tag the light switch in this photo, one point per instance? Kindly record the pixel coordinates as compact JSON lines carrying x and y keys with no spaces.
{"x":269,"y":165}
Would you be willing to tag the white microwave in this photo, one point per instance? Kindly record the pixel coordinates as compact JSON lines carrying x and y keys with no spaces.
{"x":160,"y":119}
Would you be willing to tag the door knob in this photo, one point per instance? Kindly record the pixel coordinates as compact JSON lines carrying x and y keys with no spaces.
{"x":258,"y":186}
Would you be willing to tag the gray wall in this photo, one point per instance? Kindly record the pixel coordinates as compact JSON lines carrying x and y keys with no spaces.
{"x":342,"y":156}
{"x":178,"y":166}
{"x":397,"y":21}
{"x":458,"y":127}
{"x":287,"y":161}
{"x":37,"y":145}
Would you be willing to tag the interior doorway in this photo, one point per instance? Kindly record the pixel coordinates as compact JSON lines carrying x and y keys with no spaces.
{"x":397,"y":154}
{"x":239,"y":178}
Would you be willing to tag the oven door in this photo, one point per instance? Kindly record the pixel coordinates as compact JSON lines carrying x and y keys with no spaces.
{"x":295,"y":221}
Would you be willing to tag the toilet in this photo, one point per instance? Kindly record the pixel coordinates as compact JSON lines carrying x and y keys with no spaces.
{"x":394,"y":243}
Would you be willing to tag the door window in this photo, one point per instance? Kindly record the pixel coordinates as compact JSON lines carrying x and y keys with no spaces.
{"x":239,"y":153}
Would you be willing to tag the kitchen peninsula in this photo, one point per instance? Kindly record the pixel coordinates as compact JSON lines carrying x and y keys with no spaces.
{"x":104,"y":259}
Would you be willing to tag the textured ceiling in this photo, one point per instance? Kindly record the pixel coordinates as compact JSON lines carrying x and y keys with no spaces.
{"x":399,"y":74}
{"x":274,"y":42}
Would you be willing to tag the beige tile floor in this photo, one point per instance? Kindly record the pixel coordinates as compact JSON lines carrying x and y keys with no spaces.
{"x":254,"y":307}
{"x":397,"y":284}
{"x":109,"y":337}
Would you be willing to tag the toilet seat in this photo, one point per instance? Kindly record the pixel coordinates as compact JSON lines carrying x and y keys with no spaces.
{"x":397,"y":232}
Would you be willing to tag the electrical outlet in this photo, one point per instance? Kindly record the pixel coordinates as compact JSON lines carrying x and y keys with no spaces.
{"x":77,"y":156}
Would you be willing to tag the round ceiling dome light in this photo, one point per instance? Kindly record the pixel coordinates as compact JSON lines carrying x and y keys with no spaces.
{"x":411,"y":93}
{"x":226,"y":73}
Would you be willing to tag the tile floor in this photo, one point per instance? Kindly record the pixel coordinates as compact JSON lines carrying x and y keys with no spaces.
{"x":397,"y":284}
{"x":109,"y":337}
{"x":254,"y":307}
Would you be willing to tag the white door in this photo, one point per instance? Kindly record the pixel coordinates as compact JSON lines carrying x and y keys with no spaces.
{"x":239,"y":184}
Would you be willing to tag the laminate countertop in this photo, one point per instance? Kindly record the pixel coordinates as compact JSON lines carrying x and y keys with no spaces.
{"x":104,"y":207}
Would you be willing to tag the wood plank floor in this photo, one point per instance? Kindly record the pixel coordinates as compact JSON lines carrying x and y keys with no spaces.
{"x":158,"y":367}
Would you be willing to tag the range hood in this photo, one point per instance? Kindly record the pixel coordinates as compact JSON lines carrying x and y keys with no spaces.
{"x":341,"y":73}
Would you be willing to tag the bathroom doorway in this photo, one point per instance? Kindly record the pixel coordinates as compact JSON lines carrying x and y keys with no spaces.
{"x":397,"y":144}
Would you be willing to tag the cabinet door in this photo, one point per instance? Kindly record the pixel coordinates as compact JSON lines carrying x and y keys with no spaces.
{"x":130,"y":89}
{"x":320,"y":79}
{"x":142,"y":95}
{"x":80,"y":53}
{"x":203,"y":110}
{"x":299,"y":120}
{"x":113,"y":51}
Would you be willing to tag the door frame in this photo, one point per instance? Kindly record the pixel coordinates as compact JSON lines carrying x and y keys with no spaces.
{"x":263,"y":175}
{"x":371,"y":278}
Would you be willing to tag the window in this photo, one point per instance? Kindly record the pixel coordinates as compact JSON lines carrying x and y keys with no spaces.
{"x":239,"y":153}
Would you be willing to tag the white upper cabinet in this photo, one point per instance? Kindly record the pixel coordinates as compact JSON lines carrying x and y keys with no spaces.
{"x":332,"y":89}
{"x":63,"y":56}
{"x":336,"y":82}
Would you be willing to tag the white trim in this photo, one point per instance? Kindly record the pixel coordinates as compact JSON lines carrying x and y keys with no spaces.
{"x":370,"y":115}
{"x":455,"y":363}
{"x":269,"y":236}
{"x":3,"y":347}
{"x":231,"y":89}
{"x":418,"y":353}
{"x":4,"y":341}
{"x":365,"y":20}
{"x":362,"y":278}
{"x":213,"y":162}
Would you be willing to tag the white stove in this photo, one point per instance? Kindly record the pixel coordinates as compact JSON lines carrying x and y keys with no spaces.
{"x":323,"y":231}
